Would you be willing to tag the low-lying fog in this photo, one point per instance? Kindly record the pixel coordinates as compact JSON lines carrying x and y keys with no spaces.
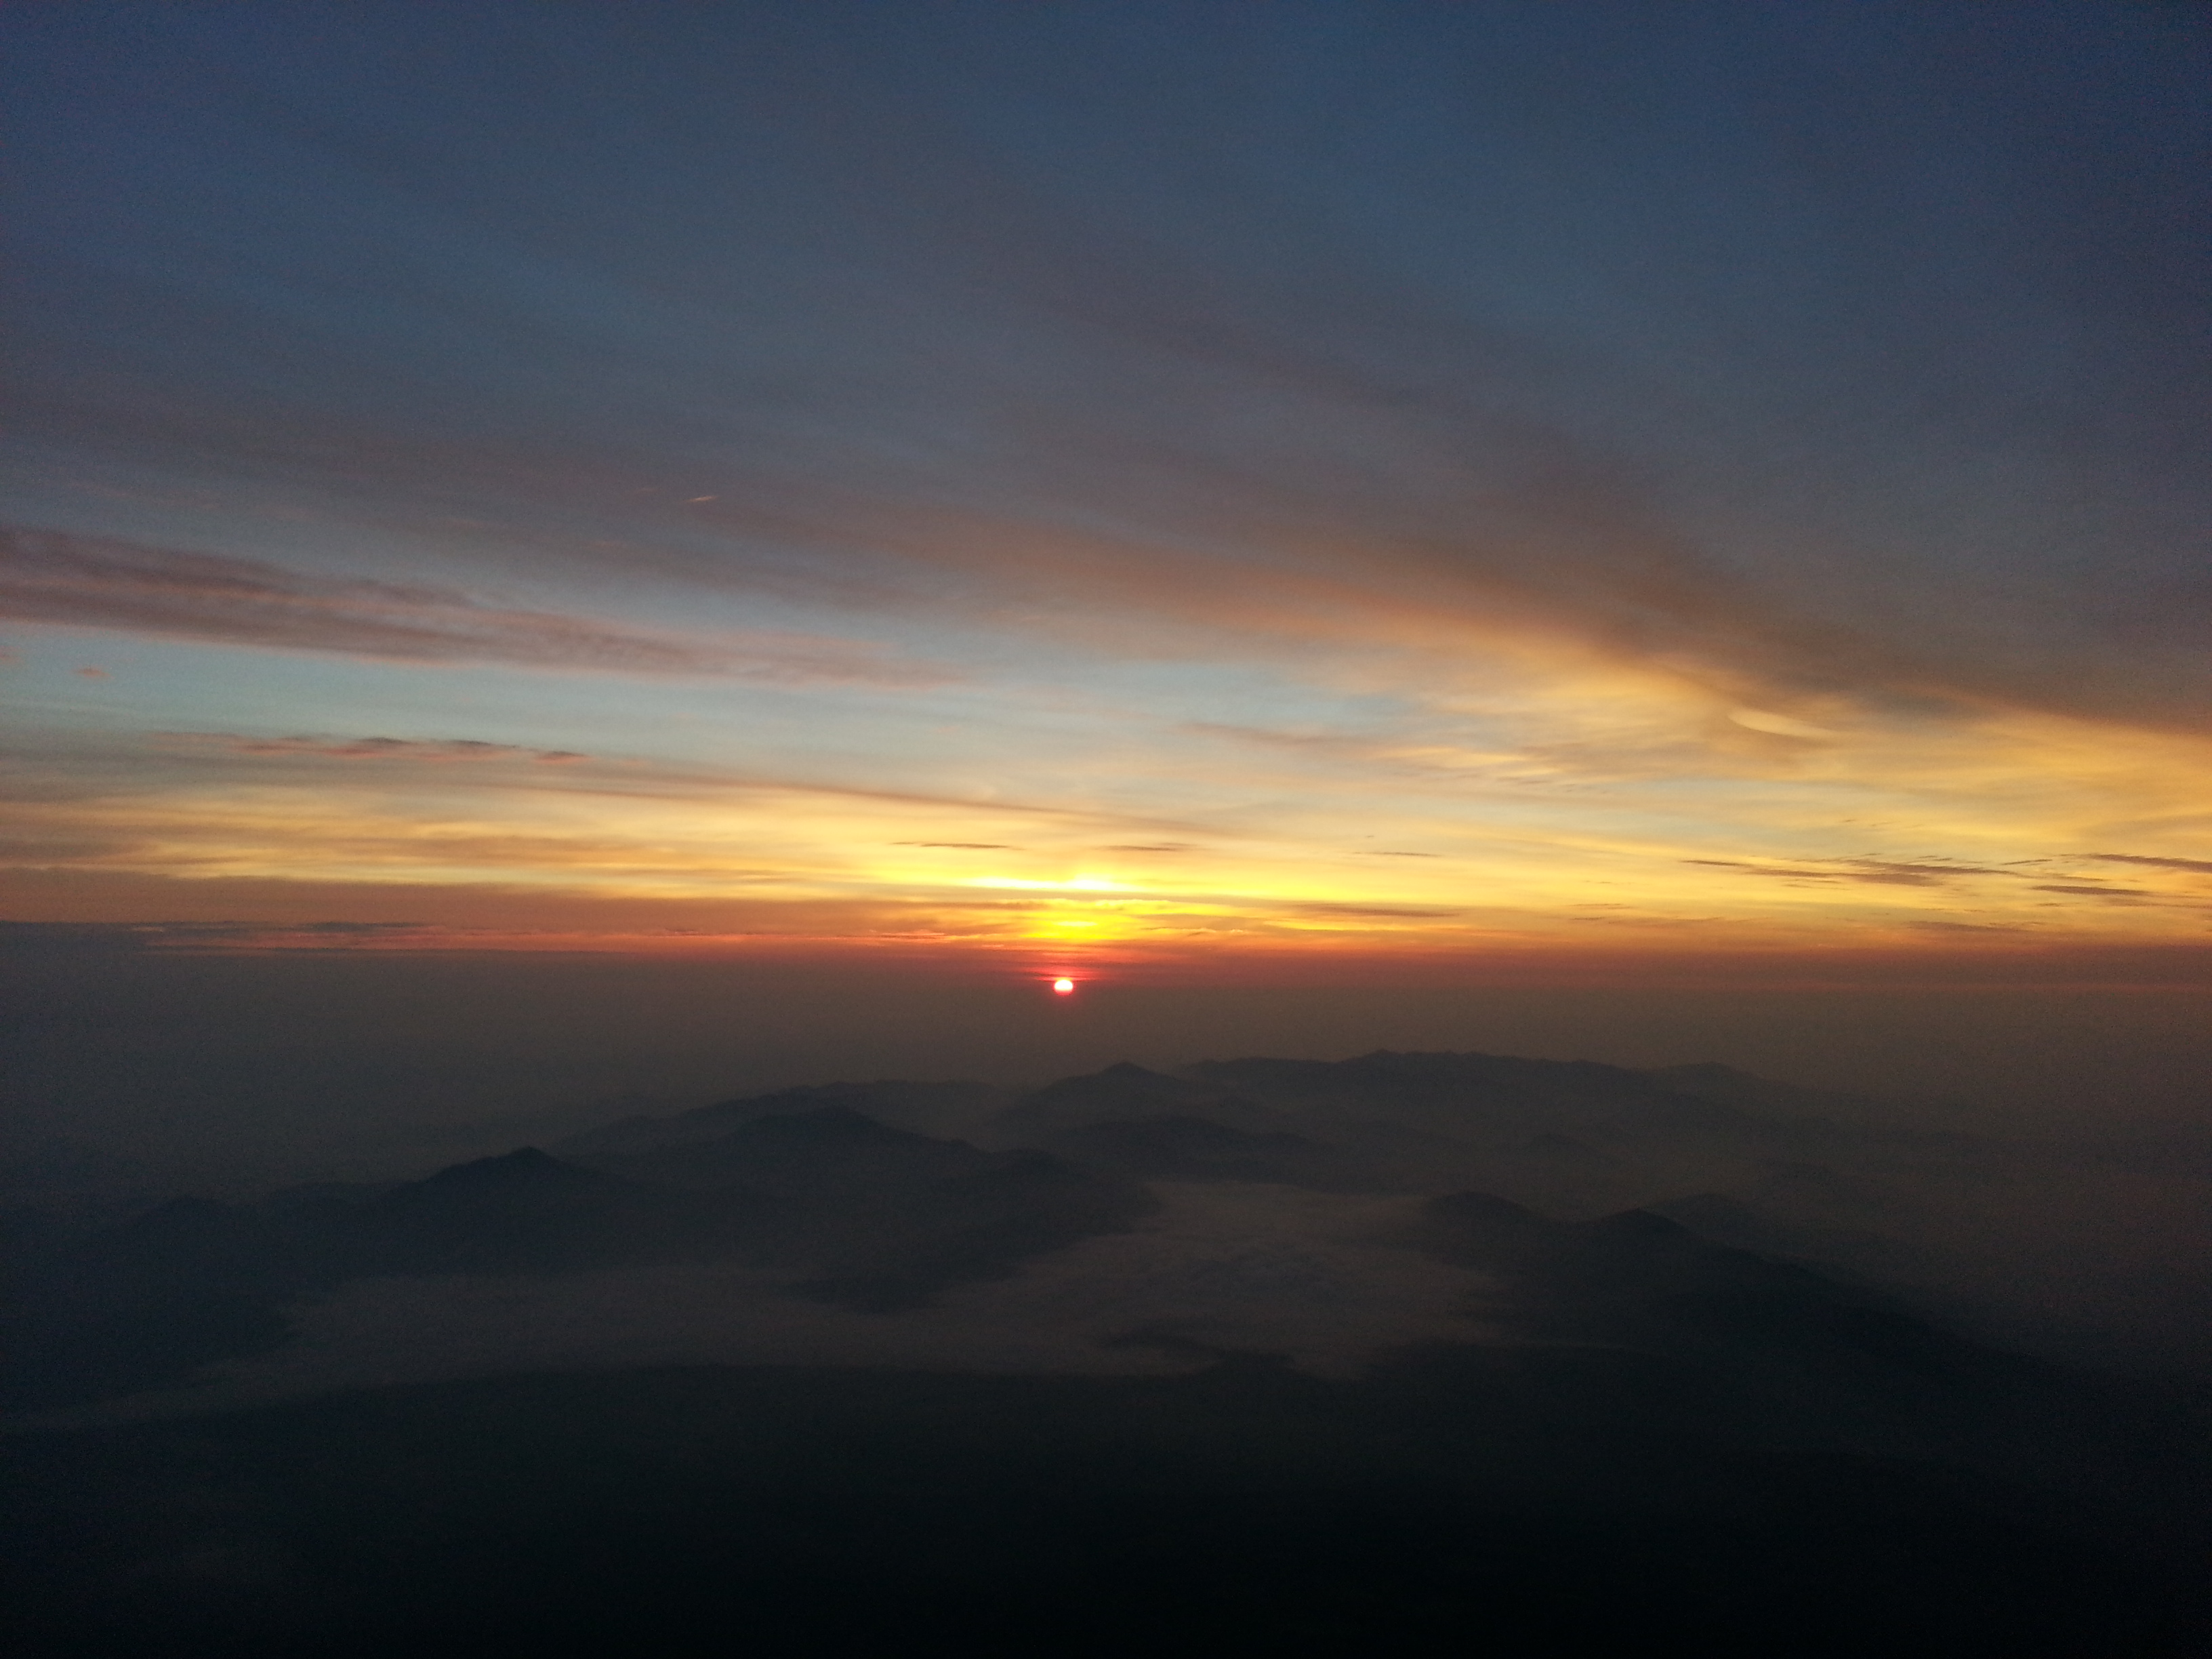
{"x":1127,"y":1221}
{"x":1329,"y":1280}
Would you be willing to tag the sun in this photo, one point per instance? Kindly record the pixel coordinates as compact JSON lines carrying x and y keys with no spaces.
{"x":1063,"y":987}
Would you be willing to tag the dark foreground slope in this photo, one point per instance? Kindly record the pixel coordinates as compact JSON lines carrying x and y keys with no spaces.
{"x":1666,"y":1446}
{"x":1507,"y":1501}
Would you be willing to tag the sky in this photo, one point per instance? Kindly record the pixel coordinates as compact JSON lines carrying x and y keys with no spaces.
{"x":1145,"y":492}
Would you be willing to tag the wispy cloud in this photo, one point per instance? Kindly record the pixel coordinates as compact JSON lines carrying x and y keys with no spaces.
{"x":1884,"y":873}
{"x":375,"y":749}
{"x":54,"y":577}
{"x":2202,"y":866}
{"x":146,"y":937}
{"x":1875,"y":872}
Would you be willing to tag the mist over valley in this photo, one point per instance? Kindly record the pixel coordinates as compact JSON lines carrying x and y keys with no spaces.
{"x":1499,"y":1298}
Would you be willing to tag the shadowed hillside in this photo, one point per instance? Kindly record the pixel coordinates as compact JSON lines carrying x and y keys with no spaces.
{"x":1530,"y":1501}
{"x":1425,"y":1350}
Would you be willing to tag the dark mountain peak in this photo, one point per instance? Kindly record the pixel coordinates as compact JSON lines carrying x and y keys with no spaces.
{"x":1702,"y":1211}
{"x":1443,"y":1070}
{"x":1727,"y":1220}
{"x":1261,"y":1068}
{"x":794,"y":1152}
{"x":922,"y":1108}
{"x":524,"y":1167}
{"x":1480,"y":1229}
{"x":520,"y":1161}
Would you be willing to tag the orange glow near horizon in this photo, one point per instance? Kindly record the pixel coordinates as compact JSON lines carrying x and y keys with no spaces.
{"x":1614,"y":815}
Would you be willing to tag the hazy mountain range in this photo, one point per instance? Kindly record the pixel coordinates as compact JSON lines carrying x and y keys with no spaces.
{"x":1485,"y":1291}
{"x":880,"y":1196}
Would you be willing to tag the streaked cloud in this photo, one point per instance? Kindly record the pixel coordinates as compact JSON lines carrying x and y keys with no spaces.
{"x":2203,"y":866}
{"x":52,"y":577}
{"x":373,"y":749}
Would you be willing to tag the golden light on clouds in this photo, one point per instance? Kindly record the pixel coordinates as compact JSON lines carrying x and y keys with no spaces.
{"x":1588,"y":807}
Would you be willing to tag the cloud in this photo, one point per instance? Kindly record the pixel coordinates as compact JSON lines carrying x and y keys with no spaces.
{"x":408,"y":749}
{"x":1347,"y":394}
{"x":1883,"y":873}
{"x":2203,"y":866}
{"x":1767,"y":869}
{"x":143,"y":938}
{"x":86,"y":581}
{"x":1321,"y":908}
{"x":1892,"y":870}
{"x":1367,"y":513}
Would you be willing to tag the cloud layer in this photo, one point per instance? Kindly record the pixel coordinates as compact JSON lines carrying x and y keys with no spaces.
{"x":1430,"y":477}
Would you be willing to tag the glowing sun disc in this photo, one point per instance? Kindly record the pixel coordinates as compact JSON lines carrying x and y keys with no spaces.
{"x":1063,"y":987}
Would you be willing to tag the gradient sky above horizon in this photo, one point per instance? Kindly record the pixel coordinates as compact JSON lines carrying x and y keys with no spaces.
{"x":1112,"y":481}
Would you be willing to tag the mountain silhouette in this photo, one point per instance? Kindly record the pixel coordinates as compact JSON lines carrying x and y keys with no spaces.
{"x":1663,"y":1423}
{"x":853,"y":1211}
{"x":1564,"y":1181}
{"x":932,"y":1108}
{"x":886,"y":1216}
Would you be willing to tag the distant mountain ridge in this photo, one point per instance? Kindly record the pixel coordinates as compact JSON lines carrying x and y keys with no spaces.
{"x":852,"y":1210}
{"x":932,"y":1108}
{"x":834,"y":1189}
{"x":1391,"y":1120}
